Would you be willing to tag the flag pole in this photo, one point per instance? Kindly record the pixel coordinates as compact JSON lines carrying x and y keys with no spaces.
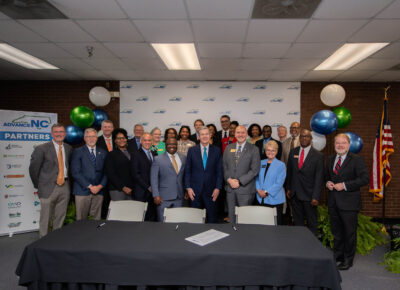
{"x":384,"y":181}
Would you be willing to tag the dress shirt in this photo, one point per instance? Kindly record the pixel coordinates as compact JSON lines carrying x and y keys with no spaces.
{"x":177,"y":159}
{"x":223,"y":133}
{"x":241,"y":148}
{"x":306,"y":151}
{"x":56,"y":146}
{"x":90,"y":150}
{"x":202,"y":150}
{"x":147,"y":154}
{"x":337,"y":158}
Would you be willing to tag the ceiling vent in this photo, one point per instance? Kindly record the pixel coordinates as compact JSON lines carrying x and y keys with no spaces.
{"x":30,"y":9}
{"x":275,"y":9}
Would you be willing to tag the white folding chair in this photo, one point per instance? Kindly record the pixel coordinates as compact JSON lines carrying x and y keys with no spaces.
{"x":184,"y":215}
{"x":258,"y":215}
{"x":127,"y":210}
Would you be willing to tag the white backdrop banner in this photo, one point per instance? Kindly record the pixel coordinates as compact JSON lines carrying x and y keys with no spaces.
{"x":173,"y":104}
{"x":20,"y":133}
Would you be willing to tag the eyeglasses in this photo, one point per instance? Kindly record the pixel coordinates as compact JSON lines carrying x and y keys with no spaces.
{"x":294,"y":127}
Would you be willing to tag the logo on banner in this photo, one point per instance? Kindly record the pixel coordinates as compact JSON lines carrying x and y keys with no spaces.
{"x":14,"y":215}
{"x":259,"y":112}
{"x":193,"y":111}
{"x":293,"y":87}
{"x":13,"y":146}
{"x":14,"y":176}
{"x":129,"y":86}
{"x":126,"y":111}
{"x":144,"y":123}
{"x":194,"y":86}
{"x":14,"y":225}
{"x":12,"y":195}
{"x":13,"y":166}
{"x":159,"y":111}
{"x":11,"y":186}
{"x":277,"y":100}
{"x":36,"y":203}
{"x":260,"y":87}
{"x":18,"y":156}
{"x":244,"y":99}
{"x":276,"y":125}
{"x":225,"y":112}
{"x":293,"y":113}
{"x":245,"y":124}
{"x":211,"y":99}
{"x":142,"y":99}
{"x":27,"y":121}
{"x":25,"y":136}
{"x":226,"y":87}
{"x":175,"y":124}
{"x":175,"y":99}
{"x":160,"y":86}
{"x":16,"y":204}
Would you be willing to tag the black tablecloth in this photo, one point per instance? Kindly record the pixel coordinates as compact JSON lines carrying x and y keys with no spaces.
{"x":129,"y":253}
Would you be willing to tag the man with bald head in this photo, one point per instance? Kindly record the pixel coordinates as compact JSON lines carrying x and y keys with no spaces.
{"x":304,"y":181}
{"x":241,"y":163}
{"x":291,"y":142}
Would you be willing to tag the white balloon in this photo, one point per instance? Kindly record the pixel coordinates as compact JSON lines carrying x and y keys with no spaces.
{"x":318,"y":141}
{"x":99,"y":96}
{"x":333,"y":95}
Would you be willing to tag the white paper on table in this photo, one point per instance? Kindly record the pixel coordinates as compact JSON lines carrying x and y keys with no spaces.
{"x":207,"y":237}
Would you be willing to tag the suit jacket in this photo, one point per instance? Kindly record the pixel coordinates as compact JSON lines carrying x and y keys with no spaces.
{"x":193,"y":137}
{"x":260,"y":146}
{"x":245,"y":171}
{"x":85,"y":173}
{"x":272,"y":183}
{"x":286,"y":149}
{"x":101,"y":142}
{"x":118,"y":170}
{"x":165,"y":182}
{"x":141,"y":166}
{"x":353,"y":172}
{"x":199,"y":179}
{"x":306,"y":183}
{"x":132,"y":146}
{"x":43,"y":168}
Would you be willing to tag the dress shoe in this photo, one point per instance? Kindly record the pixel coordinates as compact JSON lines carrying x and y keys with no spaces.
{"x":339,"y":259}
{"x":345,"y":265}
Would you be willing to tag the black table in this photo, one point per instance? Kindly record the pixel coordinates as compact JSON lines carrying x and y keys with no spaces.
{"x":127,"y":253}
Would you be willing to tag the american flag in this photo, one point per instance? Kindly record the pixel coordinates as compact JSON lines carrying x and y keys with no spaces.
{"x":382,"y":149}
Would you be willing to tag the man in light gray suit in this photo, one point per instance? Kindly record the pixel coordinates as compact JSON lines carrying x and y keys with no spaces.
{"x":292,"y":142}
{"x":166,"y":178}
{"x":241,"y":164}
{"x":49,"y":173}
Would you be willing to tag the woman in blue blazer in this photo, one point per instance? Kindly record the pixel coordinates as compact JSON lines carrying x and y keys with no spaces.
{"x":270,"y":179}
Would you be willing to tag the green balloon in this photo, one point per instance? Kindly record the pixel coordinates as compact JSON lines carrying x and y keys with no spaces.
{"x":344,"y":116}
{"x":82,"y":116}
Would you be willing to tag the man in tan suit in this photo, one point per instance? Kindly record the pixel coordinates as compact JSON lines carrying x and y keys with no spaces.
{"x":291,"y":142}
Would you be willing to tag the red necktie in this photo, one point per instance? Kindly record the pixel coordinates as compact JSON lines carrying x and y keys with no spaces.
{"x":338,"y":165}
{"x":301,"y":161}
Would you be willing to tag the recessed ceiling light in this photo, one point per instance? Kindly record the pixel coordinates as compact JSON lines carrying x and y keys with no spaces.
{"x":21,"y":58}
{"x":350,"y":54}
{"x":178,"y":56}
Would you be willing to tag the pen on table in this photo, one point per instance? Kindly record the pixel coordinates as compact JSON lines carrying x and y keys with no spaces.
{"x":234,"y":228}
{"x":100,"y":225}
{"x":176,"y":228}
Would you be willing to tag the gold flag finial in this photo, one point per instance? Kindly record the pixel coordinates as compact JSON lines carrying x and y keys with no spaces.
{"x":386,"y":90}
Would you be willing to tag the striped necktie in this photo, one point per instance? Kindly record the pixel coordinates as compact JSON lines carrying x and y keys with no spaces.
{"x":338,"y":164}
{"x":93,"y":157}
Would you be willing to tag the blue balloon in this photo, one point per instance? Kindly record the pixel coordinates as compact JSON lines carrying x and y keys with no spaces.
{"x":74,"y":135}
{"x":99,"y":116}
{"x":356,"y":143}
{"x":324,"y":122}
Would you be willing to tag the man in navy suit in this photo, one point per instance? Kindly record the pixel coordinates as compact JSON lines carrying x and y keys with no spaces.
{"x":166,"y":178}
{"x":87,"y":168}
{"x":203,"y":174}
{"x":134,"y":143}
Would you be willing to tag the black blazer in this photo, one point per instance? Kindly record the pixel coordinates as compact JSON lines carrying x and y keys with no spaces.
{"x":118,"y":170}
{"x":141,"y":166}
{"x":306,"y":183}
{"x":260,"y":146}
{"x":101,"y":142}
{"x":132,"y":146}
{"x":353,"y":172}
{"x":193,"y":137}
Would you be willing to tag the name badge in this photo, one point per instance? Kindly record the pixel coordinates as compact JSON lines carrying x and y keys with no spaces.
{"x":160,"y":149}
{"x":264,"y":166}
{"x":233,"y":150}
{"x":296,"y":156}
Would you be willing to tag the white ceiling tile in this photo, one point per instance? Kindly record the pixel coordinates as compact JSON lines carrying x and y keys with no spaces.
{"x":298,"y":64}
{"x":330,"y":30}
{"x":380,"y":30}
{"x":43,"y":50}
{"x":221,"y":75}
{"x":220,"y":9}
{"x":89,"y":9}
{"x":390,"y":51}
{"x":386,"y":76}
{"x":253,"y":75}
{"x":319,"y":75}
{"x":80,"y":50}
{"x":123,"y":75}
{"x":154,"y":9}
{"x":58,"y":30}
{"x":220,"y":50}
{"x":353,"y":76}
{"x":159,"y":31}
{"x":286,"y":75}
{"x":12,"y":31}
{"x":144,"y":63}
{"x":219,"y":30}
{"x":220,"y":64}
{"x":162,"y":75}
{"x":374,"y":64}
{"x":60,"y":75}
{"x":91,"y":74}
{"x":107,"y":64}
{"x":69,"y":63}
{"x":350,"y":9}
{"x":189,"y":75}
{"x":311,"y":50}
{"x":131,"y":50}
{"x":111,"y":30}
{"x":275,"y":30}
{"x":259,"y":64}
{"x":393,"y":11}
{"x":265,"y":50}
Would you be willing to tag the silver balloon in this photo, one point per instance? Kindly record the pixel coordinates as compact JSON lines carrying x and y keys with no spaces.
{"x":333,"y":95}
{"x":99,"y":96}
{"x":318,"y":141}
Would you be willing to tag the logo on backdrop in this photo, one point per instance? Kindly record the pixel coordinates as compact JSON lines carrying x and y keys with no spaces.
{"x":260,"y":87}
{"x":244,"y":99}
{"x":159,"y":111}
{"x":175,"y":99}
{"x":12,"y":195}
{"x":142,"y":99}
{"x":38,"y":122}
{"x":14,"y":176}
{"x":276,"y":125}
{"x":13,"y":166}
{"x":14,"y":225}
{"x":259,"y":112}
{"x":293,"y":113}
{"x":227,"y":87}
{"x":160,"y":86}
{"x":293,"y":87}
{"x":277,"y":100}
{"x":126,"y":111}
{"x":36,"y":203}
{"x":210,"y":99}
{"x":175,"y":124}
{"x":193,"y":111}
{"x":15,"y":204}
{"x":14,"y":215}
{"x":11,"y":186}
{"x":127,"y":86}
{"x":194,"y":86}
{"x":18,"y":156}
{"x":13,"y":146}
{"x":225,"y":112}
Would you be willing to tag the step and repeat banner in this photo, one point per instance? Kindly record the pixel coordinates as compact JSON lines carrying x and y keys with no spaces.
{"x":173,"y":104}
{"x":20,"y":133}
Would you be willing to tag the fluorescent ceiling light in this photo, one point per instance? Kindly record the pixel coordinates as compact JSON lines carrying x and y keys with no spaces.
{"x":21,"y":58}
{"x":178,"y":56}
{"x":350,"y":54}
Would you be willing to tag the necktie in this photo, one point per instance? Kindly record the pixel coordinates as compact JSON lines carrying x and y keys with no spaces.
{"x":174,"y":164}
{"x":108,"y":144}
{"x":149,"y":156}
{"x":338,"y":164}
{"x":301,"y":161}
{"x":138,"y":143}
{"x":205,"y":157}
{"x":225,"y":135}
{"x":237,"y":155}
{"x":93,"y":157}
{"x":292,"y":143}
{"x":60,"y":175}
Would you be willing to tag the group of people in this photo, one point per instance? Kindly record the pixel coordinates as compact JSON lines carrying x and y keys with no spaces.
{"x":215,"y":170}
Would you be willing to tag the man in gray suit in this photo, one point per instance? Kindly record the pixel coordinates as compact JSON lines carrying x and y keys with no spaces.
{"x":49,"y":173}
{"x":292,"y":142}
{"x":241,"y":163}
{"x":166,"y":178}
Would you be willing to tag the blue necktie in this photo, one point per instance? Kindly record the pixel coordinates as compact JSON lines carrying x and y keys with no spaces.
{"x":205,"y":157}
{"x":149,"y":156}
{"x":93,"y":157}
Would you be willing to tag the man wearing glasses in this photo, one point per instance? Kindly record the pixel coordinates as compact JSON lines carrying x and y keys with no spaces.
{"x":291,"y":142}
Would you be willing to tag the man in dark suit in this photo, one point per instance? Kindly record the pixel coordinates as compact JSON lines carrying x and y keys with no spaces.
{"x":87,"y":168}
{"x":49,"y":174}
{"x":225,"y":123}
{"x":167,"y":173}
{"x":134,"y":143}
{"x":197,"y":125}
{"x":203,"y":174}
{"x":304,"y":180}
{"x":267,"y":132}
{"x":345,"y":173}
{"x":106,"y":141}
{"x":141,"y":166}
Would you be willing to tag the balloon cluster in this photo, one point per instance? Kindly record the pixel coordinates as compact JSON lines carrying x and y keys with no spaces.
{"x":325,"y":122}
{"x":83,"y":117}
